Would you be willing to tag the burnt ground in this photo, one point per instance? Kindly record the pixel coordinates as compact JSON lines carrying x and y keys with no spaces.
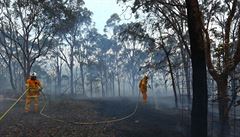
{"x":167,"y":121}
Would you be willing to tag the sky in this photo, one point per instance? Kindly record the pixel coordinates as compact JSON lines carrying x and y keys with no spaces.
{"x":102,"y":10}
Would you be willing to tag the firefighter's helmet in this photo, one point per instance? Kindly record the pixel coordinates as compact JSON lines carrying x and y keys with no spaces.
{"x":33,"y":75}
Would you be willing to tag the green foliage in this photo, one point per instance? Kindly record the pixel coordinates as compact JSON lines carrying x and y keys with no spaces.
{"x":113,"y":20}
{"x":62,"y":16}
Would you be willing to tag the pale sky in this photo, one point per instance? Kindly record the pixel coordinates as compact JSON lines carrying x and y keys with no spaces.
{"x":102,"y":10}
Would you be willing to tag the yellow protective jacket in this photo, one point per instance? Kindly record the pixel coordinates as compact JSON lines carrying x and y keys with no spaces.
{"x":143,"y":85}
{"x":33,"y":87}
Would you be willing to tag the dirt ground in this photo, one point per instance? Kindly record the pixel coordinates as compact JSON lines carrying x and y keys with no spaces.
{"x":166,"y":121}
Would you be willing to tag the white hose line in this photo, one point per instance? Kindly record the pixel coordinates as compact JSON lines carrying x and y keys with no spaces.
{"x":88,"y":123}
{"x":6,"y":112}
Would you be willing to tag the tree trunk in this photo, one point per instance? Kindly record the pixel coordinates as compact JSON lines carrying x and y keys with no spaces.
{"x":152,"y":86}
{"x":155,"y":96}
{"x":171,"y":74}
{"x":133,"y":83}
{"x":173,"y":81}
{"x":187,"y":76}
{"x":16,"y":76}
{"x":113,"y":85}
{"x":71,"y":71}
{"x":11,"y":76}
{"x":102,"y":86}
{"x":91,"y":88}
{"x":71,"y":80}
{"x":199,"y":74}
{"x":178,"y":84}
{"x":223,"y":107}
{"x":59,"y":80}
{"x":119,"y":91}
{"x":83,"y":79}
{"x":222,"y":99}
{"x":165,"y":84}
{"x":106,"y":82}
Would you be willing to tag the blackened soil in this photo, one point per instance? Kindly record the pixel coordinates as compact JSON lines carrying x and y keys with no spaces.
{"x":147,"y":121}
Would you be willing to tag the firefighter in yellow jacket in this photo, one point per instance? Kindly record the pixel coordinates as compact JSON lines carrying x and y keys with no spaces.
{"x":143,"y":88}
{"x":33,"y":85}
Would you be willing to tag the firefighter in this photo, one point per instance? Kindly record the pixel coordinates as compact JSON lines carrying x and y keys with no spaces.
{"x":33,"y":85}
{"x":143,"y":88}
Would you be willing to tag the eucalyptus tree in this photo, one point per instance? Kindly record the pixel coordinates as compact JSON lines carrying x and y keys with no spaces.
{"x":29,"y":27}
{"x":175,"y":18}
{"x":112,"y":65}
{"x":3,"y":76}
{"x":81,"y":58}
{"x":6,"y":53}
{"x":96,"y":53}
{"x":104,"y":44}
{"x":129,"y":53}
{"x":92,"y":76}
{"x":55,"y":63}
{"x":124,"y":49}
{"x":119,"y":59}
{"x":72,"y":37}
{"x":112,"y":29}
{"x":221,"y":27}
{"x":86,"y":53}
{"x":86,"y":56}
{"x":132,"y":49}
{"x":199,"y":110}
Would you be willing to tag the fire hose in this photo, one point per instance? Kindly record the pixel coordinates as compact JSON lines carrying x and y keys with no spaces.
{"x":64,"y":121}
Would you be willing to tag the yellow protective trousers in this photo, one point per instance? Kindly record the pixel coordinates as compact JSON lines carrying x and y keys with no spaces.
{"x":28,"y":103}
{"x":144,"y":97}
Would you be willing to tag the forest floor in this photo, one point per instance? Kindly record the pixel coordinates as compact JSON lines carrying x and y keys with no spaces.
{"x":167,"y":121}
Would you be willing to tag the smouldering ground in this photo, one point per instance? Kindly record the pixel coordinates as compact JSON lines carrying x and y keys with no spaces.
{"x":147,"y":122}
